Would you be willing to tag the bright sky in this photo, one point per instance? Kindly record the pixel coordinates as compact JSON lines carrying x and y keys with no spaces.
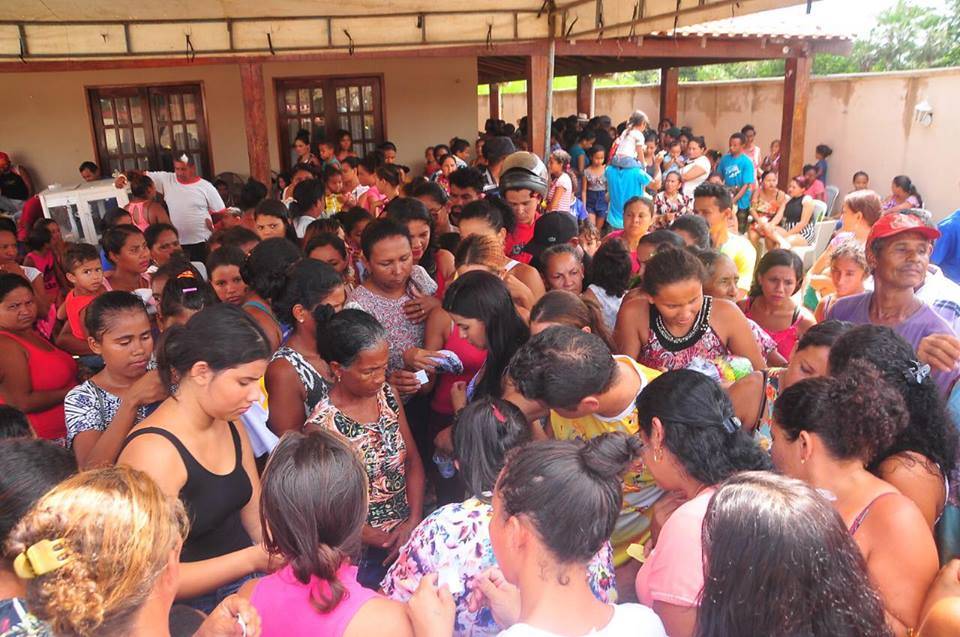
{"x":852,"y":14}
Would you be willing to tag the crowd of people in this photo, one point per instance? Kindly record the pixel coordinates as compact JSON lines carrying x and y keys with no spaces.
{"x":595,"y":393}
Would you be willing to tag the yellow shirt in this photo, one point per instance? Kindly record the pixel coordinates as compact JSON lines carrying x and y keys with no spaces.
{"x":331,"y":204}
{"x":744,"y":256}
{"x":639,"y":489}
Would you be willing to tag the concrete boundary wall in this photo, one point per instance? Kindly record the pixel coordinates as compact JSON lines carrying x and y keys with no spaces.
{"x":868,"y":119}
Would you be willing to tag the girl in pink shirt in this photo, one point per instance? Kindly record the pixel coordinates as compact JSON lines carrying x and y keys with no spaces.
{"x":691,"y":443}
{"x":313,"y":507}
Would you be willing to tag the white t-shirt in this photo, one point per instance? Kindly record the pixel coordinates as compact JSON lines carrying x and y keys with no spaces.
{"x":689,"y":186}
{"x":190,"y":205}
{"x":629,"y":620}
{"x":566,"y":201}
{"x":754,"y":156}
{"x":629,"y":142}
{"x":302,"y":223}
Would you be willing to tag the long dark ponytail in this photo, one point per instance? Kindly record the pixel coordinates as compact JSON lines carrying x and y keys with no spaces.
{"x":313,"y":505}
{"x":484,"y":296}
{"x":906,"y":184}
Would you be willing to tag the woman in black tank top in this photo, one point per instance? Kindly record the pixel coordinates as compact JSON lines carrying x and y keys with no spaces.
{"x":194,"y":447}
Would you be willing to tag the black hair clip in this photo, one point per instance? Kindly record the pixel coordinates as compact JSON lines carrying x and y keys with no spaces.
{"x":732,"y":424}
{"x":916,"y":372}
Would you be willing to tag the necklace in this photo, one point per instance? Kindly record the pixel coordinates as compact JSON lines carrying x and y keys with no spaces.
{"x":673,"y":343}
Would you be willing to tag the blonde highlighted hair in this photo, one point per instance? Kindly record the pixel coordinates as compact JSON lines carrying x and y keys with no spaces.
{"x":481,"y":250}
{"x":118,"y":529}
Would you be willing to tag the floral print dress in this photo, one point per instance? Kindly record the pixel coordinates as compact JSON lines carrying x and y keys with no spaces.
{"x":771,"y":391}
{"x":89,"y":407}
{"x":382,"y":451}
{"x":314,"y":384}
{"x":456,"y":539}
{"x":401,"y":333}
{"x":680,"y":205}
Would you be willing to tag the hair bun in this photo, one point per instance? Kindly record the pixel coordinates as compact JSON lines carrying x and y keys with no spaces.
{"x":609,"y":455}
{"x":323,"y":313}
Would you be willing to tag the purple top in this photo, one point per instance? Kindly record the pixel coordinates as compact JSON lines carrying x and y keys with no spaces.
{"x":923,"y":322}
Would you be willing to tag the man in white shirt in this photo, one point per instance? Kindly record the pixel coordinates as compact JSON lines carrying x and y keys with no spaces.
{"x":190,"y":200}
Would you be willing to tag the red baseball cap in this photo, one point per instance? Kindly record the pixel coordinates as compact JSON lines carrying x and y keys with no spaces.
{"x":5,"y":156}
{"x":894,"y":223}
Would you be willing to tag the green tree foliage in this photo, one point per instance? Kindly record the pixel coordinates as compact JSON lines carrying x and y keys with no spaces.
{"x":952,"y":25}
{"x":905,"y":37}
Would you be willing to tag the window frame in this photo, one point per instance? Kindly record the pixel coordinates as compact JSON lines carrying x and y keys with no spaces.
{"x":154,"y":154}
{"x":328,"y":84}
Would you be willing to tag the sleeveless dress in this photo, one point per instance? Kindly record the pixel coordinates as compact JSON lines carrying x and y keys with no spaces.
{"x":285,"y":607}
{"x":766,"y":209}
{"x":858,"y":521}
{"x":75,"y":305}
{"x":786,"y":338}
{"x":441,"y":283}
{"x":316,"y":386}
{"x":472,"y":358}
{"x":269,"y":312}
{"x":792,"y":214}
{"x":383,"y":452}
{"x":609,"y":305}
{"x":704,"y":343}
{"x":213,"y":501}
{"x":49,"y":369}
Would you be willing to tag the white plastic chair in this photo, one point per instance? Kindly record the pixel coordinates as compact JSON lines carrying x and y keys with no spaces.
{"x":820,"y":210}
{"x":821,"y":239}
{"x":833,"y":193}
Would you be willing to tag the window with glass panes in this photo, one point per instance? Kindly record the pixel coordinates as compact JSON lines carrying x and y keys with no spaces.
{"x":324,"y":105}
{"x":143,"y":127}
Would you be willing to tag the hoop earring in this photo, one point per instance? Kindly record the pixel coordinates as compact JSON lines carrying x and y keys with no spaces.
{"x":658,"y":454}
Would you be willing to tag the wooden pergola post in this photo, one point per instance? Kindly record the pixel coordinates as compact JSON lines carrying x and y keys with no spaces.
{"x":796,"y":94}
{"x":494,"y":100}
{"x":669,"y":93}
{"x":537,"y":84}
{"x":255,"y":120}
{"x":585,"y":95}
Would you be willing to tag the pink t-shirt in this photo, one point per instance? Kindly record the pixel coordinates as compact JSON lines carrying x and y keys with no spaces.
{"x":285,"y":608}
{"x":673,"y":572}
{"x":816,"y":190}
